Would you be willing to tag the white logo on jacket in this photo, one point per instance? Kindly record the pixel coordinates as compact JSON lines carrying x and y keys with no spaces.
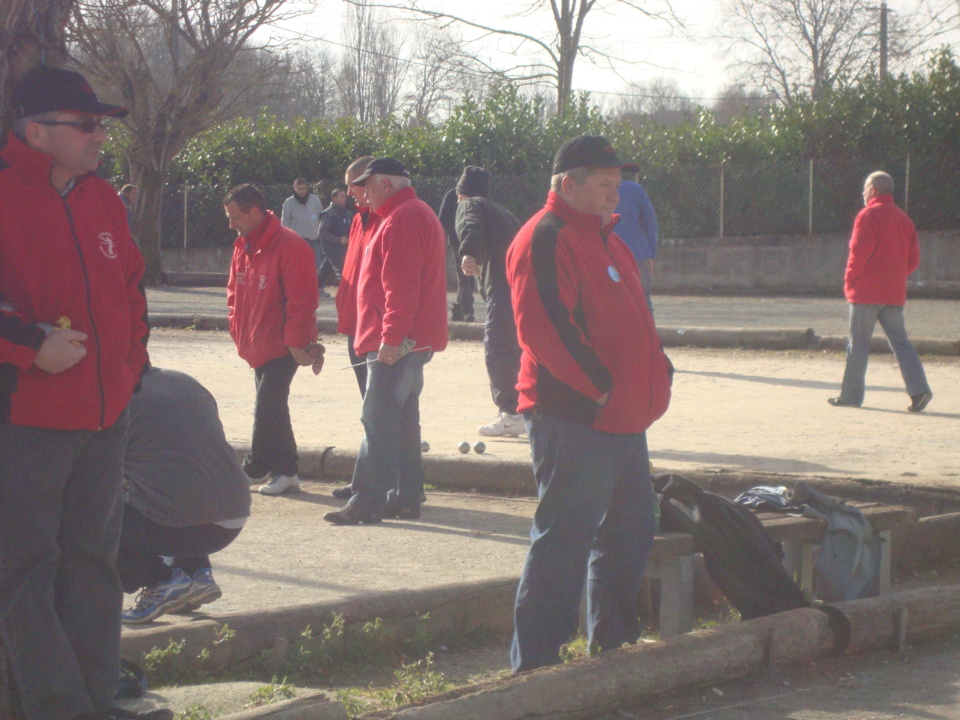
{"x":107,"y":246}
{"x":263,"y":282}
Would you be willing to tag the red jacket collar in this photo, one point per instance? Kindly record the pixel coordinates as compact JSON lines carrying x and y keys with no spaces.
{"x":588,"y":221}
{"x":34,"y":165}
{"x":881,"y":200}
{"x":399,"y":197}
{"x":262,"y":238}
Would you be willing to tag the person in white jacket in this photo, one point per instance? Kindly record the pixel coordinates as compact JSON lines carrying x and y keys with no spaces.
{"x":301,"y":213}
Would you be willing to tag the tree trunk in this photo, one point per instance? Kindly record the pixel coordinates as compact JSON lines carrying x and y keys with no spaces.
{"x":147,"y":223}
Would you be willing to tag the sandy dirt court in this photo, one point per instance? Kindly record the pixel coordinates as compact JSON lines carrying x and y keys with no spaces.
{"x":731,"y":410}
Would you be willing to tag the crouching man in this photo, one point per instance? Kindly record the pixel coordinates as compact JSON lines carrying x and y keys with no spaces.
{"x":187,"y":496}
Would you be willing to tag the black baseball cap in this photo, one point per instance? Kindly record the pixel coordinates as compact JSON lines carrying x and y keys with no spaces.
{"x":588,"y":151}
{"x":46,"y":89}
{"x":382,"y":166}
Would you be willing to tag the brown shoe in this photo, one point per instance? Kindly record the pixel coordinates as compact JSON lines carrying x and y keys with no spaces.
{"x":351,"y":515}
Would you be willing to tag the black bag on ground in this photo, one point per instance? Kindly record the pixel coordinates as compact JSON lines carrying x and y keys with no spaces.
{"x":741,"y":558}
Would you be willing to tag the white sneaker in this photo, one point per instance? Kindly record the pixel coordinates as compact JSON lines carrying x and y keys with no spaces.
{"x":506,"y":425}
{"x":279,"y":484}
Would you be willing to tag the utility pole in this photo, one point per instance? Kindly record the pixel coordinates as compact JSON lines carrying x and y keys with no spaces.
{"x":883,"y":41}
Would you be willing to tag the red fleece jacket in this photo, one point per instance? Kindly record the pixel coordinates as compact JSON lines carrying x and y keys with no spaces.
{"x":883,"y":253}
{"x":402,"y":291}
{"x":360,"y":229}
{"x":272,"y":294}
{"x":583,"y":324}
{"x":66,"y":256}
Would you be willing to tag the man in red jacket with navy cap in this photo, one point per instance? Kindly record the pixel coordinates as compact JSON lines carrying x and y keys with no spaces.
{"x":593,"y":378}
{"x":401,"y":323}
{"x":73,"y":337}
{"x":883,"y":253}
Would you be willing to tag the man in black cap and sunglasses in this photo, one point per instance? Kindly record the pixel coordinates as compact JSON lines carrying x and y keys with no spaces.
{"x":593,"y":378}
{"x":73,"y":337}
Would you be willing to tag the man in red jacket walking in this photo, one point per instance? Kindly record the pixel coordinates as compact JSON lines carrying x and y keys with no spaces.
{"x":401,"y":323}
{"x":272,"y":300}
{"x":66,"y":261}
{"x":593,"y":378}
{"x":883,"y":253}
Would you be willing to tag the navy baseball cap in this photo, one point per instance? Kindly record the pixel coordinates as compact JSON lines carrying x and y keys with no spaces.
{"x":382,"y":166}
{"x":46,"y":89}
{"x":588,"y":151}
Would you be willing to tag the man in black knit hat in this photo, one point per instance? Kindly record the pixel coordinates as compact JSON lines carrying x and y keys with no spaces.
{"x":486,"y":230}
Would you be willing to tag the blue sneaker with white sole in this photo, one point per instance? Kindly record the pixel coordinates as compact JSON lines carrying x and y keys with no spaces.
{"x":154,"y":601}
{"x":203,"y":590}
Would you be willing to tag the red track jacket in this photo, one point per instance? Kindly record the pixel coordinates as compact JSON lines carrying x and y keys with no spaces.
{"x":66,"y":257}
{"x":402,"y":291}
{"x":883,"y":253}
{"x":583,"y":324}
{"x":360,"y":229}
{"x":272,"y":294}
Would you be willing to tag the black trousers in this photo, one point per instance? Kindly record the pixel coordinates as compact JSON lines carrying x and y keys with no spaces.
{"x":144,"y":543}
{"x":334,"y":255}
{"x":273,"y":448}
{"x":463,"y":308}
{"x":501,"y":351}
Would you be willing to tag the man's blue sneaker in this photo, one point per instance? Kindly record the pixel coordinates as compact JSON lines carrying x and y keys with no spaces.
{"x":154,"y":601}
{"x":203,"y":590}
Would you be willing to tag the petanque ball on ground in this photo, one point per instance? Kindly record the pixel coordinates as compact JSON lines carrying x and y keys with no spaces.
{"x":480,"y":448}
{"x":424,"y":446}
{"x":464,"y":447}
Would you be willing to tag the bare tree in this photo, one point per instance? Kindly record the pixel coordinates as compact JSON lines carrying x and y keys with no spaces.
{"x":439,"y":72}
{"x":736,"y":101}
{"x":182,"y":67}
{"x":306,"y":87}
{"x":561,"y":49}
{"x":806,"y":46}
{"x":31,"y":32}
{"x":660,"y":100}
{"x":372,"y":73}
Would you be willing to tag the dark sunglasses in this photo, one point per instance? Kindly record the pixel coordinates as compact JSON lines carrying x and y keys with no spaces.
{"x":87,"y":125}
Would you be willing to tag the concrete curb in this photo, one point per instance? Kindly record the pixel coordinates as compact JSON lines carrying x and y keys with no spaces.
{"x":747,"y":338}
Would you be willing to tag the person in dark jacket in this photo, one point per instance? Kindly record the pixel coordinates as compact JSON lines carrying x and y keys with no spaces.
{"x":593,"y":378}
{"x":334,"y":234}
{"x":73,"y":337}
{"x":187,"y":496}
{"x":462,"y":309}
{"x":486,"y":230}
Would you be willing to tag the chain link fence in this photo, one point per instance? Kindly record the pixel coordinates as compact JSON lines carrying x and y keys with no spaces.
{"x":692,"y":201}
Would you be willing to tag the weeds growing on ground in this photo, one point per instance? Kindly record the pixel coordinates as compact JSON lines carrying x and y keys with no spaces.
{"x":195,"y":712}
{"x":274,"y":692}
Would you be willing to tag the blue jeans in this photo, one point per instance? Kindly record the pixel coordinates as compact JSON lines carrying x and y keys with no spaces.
{"x":389,"y":460}
{"x":863,"y":318}
{"x":594,"y":524}
{"x":60,"y":598}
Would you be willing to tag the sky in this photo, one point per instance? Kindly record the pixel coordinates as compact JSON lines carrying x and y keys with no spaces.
{"x":648,"y":50}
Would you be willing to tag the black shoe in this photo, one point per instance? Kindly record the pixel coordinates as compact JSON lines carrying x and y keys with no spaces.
{"x":351,"y":515}
{"x":468,"y":317}
{"x":838,"y":402}
{"x":455,"y":314}
{"x":408,"y":513}
{"x":343,"y":493}
{"x":920,"y":401}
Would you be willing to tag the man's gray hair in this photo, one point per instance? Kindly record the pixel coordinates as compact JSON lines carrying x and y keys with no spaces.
{"x":578,"y":174}
{"x":20,"y":125}
{"x":397,"y":182}
{"x":881,"y":182}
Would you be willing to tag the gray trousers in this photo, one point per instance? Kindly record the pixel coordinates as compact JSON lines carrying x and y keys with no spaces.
{"x":60,"y":597}
{"x":863,"y":318}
